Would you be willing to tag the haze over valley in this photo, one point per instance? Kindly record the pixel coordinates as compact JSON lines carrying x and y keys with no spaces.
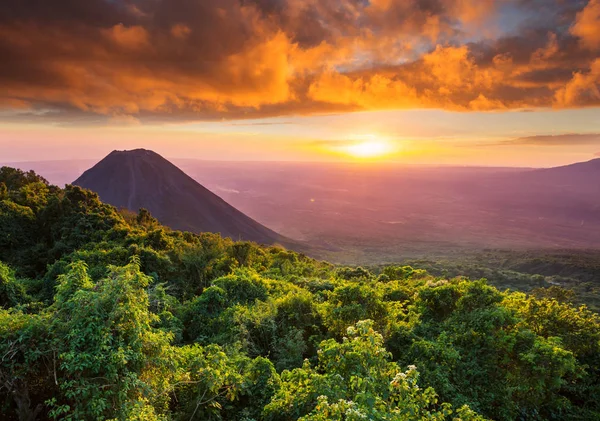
{"x":384,"y":212}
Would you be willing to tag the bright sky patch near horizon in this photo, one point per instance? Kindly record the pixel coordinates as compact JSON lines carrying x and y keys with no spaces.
{"x":454,"y":82}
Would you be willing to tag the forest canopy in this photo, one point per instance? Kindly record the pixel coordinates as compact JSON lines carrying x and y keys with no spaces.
{"x":106,"y":314}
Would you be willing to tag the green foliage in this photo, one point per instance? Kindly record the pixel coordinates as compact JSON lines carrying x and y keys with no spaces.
{"x":205,"y":377}
{"x":14,"y":179}
{"x":113,"y":360}
{"x":356,"y":274}
{"x":26,"y":379}
{"x":529,"y":271}
{"x":350,"y":303}
{"x":12,"y":292}
{"x":107,"y":315}
{"x":490,"y":359}
{"x":354,"y":380}
{"x":242,"y":288}
{"x":17,"y":231}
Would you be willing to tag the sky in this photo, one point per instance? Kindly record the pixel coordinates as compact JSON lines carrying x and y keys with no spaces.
{"x":460,"y":82}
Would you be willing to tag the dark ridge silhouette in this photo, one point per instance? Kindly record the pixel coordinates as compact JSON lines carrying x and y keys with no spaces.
{"x":143,"y":179}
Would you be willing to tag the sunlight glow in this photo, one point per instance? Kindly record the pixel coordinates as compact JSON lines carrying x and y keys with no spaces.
{"x":372,"y":147}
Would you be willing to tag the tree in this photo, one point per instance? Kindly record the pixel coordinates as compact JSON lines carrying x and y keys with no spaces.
{"x":354,"y":379}
{"x":12,"y":293}
{"x":473,"y":350}
{"x":27,"y":378}
{"x":112,"y":362}
{"x":352,"y":302}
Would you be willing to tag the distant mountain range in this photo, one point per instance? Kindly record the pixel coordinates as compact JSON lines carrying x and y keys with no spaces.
{"x":575,"y":175}
{"x":143,"y":179}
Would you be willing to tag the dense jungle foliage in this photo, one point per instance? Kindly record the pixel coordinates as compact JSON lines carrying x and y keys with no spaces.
{"x":107,"y":315}
{"x":526,"y":270}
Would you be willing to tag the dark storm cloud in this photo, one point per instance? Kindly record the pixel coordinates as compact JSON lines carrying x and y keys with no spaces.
{"x":85,"y":13}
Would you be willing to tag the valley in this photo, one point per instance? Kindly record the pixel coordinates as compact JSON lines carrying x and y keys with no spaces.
{"x":361,"y":214}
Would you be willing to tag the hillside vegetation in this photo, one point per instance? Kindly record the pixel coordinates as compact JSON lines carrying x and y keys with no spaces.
{"x":108,"y":315}
{"x":571,"y":275}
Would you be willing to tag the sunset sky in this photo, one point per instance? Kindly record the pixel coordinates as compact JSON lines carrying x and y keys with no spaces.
{"x":475,"y":82}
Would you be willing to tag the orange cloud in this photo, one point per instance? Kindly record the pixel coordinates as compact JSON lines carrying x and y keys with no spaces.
{"x":128,"y":37}
{"x":14,"y":104}
{"x":582,"y":90}
{"x":374,"y":92}
{"x":472,"y":11}
{"x":446,"y":78}
{"x":587,"y":25}
{"x":181,"y":31}
{"x":188,"y":60}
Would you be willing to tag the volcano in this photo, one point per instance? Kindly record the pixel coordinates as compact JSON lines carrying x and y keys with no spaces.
{"x":142,"y":178}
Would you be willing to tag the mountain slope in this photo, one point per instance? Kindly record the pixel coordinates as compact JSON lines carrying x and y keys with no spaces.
{"x":143,"y":179}
{"x":581,"y":175}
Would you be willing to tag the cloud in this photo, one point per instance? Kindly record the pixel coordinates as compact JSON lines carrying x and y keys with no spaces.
{"x":587,"y":25}
{"x":569,"y":139}
{"x":186,"y":60}
{"x":263,"y":123}
{"x":132,"y":38}
{"x":583,"y":89}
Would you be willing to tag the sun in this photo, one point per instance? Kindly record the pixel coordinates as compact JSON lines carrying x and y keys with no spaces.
{"x":369,"y":148}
